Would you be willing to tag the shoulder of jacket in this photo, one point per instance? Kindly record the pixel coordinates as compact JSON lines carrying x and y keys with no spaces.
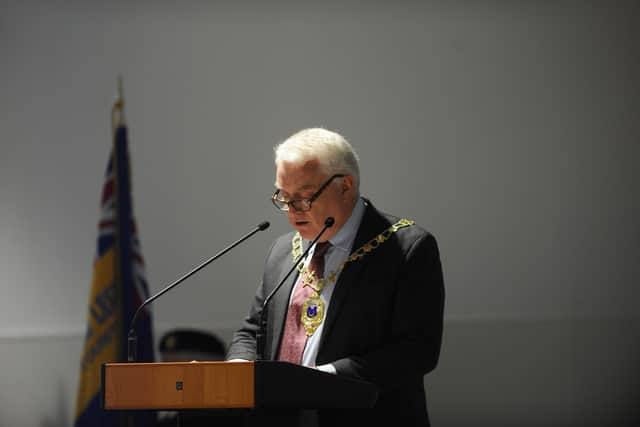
{"x":283,"y":242}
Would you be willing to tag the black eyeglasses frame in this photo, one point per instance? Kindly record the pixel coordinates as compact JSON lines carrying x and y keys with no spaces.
{"x":285,"y":205}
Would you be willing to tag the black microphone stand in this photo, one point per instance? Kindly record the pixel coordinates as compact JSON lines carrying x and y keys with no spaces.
{"x":132,"y":338}
{"x":261,"y":334}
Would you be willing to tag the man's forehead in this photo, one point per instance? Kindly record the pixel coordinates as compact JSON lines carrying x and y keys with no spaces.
{"x":292,"y":177}
{"x":295,"y":186}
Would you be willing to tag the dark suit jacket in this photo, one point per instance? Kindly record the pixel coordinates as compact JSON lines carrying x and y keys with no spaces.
{"x":384,"y":323}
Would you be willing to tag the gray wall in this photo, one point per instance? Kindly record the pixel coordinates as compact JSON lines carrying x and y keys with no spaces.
{"x":508,"y":129}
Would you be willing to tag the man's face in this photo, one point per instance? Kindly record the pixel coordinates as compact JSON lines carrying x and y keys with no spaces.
{"x":300,"y":182}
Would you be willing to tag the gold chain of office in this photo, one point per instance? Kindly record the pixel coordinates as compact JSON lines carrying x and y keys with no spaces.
{"x":371,"y":245}
{"x":313,"y":308}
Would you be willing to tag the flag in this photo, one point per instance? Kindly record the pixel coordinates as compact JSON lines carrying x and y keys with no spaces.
{"x":118,"y":288}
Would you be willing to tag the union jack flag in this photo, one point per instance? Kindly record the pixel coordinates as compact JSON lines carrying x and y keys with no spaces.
{"x":118,"y":288}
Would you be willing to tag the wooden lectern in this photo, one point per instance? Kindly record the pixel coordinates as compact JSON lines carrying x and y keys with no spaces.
{"x":229,"y":385}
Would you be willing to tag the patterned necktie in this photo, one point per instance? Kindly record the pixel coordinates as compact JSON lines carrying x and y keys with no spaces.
{"x":294,"y":337}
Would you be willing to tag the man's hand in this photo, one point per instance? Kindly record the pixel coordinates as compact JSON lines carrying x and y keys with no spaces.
{"x":328,"y":368}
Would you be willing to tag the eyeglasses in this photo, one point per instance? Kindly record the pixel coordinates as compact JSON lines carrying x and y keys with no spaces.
{"x":300,"y":205}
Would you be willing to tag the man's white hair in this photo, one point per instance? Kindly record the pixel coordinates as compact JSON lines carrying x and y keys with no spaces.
{"x":332,"y":150}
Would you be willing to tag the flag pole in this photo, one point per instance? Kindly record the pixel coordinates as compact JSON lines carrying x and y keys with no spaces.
{"x":117,"y":120}
{"x":117,"y":111}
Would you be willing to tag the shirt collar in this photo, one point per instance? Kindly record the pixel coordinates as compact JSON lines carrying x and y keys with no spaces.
{"x":344,"y":238}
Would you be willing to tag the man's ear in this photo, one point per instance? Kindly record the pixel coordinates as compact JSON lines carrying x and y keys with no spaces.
{"x":347,"y":185}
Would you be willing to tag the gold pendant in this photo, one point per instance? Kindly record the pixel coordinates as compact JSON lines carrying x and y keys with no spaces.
{"x":312,"y":313}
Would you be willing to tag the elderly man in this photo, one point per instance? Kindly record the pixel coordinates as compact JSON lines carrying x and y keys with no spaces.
{"x":367,"y":302}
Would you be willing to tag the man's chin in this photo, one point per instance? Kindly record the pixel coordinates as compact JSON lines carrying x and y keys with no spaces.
{"x":307,"y":235}
{"x":306,"y":231}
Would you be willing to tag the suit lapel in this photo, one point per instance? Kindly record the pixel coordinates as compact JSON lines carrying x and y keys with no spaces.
{"x":278,"y":310}
{"x":370,"y":226}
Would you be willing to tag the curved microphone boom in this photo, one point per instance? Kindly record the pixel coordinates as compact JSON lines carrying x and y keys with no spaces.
{"x":132,"y":338}
{"x":260,"y":334}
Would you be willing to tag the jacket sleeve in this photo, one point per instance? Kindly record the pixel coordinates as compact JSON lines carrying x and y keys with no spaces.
{"x":244,"y":342}
{"x":412,"y":344}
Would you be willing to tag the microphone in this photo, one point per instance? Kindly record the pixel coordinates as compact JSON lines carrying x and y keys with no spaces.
{"x":260,"y":334}
{"x":132,"y":339}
